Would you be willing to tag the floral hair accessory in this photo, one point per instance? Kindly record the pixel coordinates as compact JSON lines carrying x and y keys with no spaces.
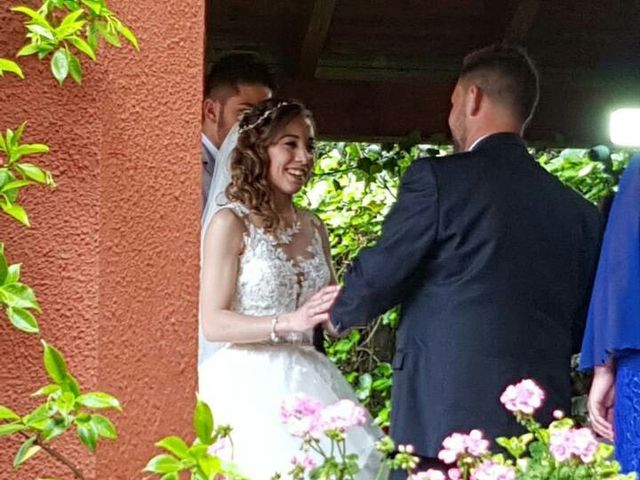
{"x":261,"y":118}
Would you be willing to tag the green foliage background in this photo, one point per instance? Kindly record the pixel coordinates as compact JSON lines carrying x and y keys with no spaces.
{"x":352,"y":190}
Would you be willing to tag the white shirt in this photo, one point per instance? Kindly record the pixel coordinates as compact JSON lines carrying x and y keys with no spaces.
{"x":209,"y":155}
{"x":475,"y":144}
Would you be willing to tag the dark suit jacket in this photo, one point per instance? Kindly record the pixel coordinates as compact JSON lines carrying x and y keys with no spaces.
{"x":491,"y":259}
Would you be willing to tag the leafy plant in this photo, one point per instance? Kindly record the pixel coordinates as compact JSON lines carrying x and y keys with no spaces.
{"x":16,"y":175}
{"x":57,"y":27}
{"x":65,"y":407}
{"x":66,"y":28}
{"x":18,"y":299}
{"x":199,"y":458}
{"x":561,"y":451}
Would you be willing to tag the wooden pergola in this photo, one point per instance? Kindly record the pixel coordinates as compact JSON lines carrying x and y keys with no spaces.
{"x":384,"y":69}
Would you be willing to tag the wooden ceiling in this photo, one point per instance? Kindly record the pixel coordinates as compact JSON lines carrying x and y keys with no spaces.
{"x":376,"y":69}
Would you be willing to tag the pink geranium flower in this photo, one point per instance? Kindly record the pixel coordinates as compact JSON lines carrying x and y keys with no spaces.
{"x":458,"y":444}
{"x":304,"y":460}
{"x":428,"y":475}
{"x":489,"y":470}
{"x":302,"y":415}
{"x":524,"y":397}
{"x":342,"y":415}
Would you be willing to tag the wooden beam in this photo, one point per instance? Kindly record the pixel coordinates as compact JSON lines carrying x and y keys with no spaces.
{"x":569,"y":115}
{"x":522,"y":21}
{"x":315,"y":37}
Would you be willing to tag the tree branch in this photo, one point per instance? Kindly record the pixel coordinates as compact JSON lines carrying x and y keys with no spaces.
{"x":57,"y":455}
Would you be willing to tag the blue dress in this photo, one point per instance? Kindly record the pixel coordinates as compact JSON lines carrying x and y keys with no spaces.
{"x":613,"y":324}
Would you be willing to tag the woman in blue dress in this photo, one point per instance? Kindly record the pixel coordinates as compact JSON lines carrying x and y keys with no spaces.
{"x":611,"y":344}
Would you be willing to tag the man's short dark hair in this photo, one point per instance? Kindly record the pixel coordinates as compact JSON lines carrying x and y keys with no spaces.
{"x":506,"y":74}
{"x":238,"y":69}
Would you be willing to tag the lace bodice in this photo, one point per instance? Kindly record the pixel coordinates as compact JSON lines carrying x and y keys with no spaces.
{"x":271,"y":283}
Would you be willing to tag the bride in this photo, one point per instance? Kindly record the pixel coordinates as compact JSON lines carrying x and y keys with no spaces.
{"x":266,"y":281}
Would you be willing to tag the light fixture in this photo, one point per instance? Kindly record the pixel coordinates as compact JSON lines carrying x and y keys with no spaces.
{"x":624,"y":127}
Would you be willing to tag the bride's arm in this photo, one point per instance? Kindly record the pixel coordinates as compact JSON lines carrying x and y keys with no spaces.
{"x":223,"y":245}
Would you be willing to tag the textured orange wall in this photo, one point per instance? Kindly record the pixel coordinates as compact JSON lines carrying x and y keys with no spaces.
{"x":113,"y":252}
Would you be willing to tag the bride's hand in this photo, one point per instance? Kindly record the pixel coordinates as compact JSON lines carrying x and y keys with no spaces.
{"x":313,"y":312}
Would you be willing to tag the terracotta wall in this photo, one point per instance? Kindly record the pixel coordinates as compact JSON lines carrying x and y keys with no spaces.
{"x":113,"y":252}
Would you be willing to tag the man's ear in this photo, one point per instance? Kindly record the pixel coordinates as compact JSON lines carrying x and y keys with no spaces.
{"x":211,"y":110}
{"x":473,"y":100}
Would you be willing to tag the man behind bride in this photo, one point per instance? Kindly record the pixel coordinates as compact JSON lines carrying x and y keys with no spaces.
{"x":491,"y":259}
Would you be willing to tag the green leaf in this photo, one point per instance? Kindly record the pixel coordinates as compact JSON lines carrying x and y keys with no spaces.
{"x":38,"y":418}
{"x":53,"y":428}
{"x":210,"y":465}
{"x":83,"y":46}
{"x":16,"y":211}
{"x":28,"y":49}
{"x":70,"y":385}
{"x":203,"y":422}
{"x":25,"y":452}
{"x":22,"y":319}
{"x":42,"y":31}
{"x":31,"y":149}
{"x":35,"y":16}
{"x":75,"y":69}
{"x":170,"y":476}
{"x":11,"y":428}
{"x":128,"y":34}
{"x":54,"y":363}
{"x":15,"y":185}
{"x":93,"y":36}
{"x":60,"y":65}
{"x":18,"y":135}
{"x":99,"y":400}
{"x":95,"y":6}
{"x":65,"y":403}
{"x":174,"y":445}
{"x":8,"y":414}
{"x":88,"y":436}
{"x":46,"y":390}
{"x":163,"y":464}
{"x":35,"y":173}
{"x":4,"y":269}
{"x":19,"y":295}
{"x":104,"y":427}
{"x":108,"y":34}
{"x":10,"y":66}
{"x":13,"y":273}
{"x":71,"y":18}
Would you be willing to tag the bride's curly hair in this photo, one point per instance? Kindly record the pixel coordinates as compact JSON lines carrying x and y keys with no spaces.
{"x":249,"y":167}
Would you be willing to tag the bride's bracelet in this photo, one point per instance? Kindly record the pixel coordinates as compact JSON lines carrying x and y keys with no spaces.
{"x":275,"y":338}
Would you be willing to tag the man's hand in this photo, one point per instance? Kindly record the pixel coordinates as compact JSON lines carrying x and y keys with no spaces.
{"x":601,"y":398}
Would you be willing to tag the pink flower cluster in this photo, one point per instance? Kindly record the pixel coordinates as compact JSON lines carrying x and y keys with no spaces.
{"x":523,"y":397}
{"x":307,"y":417}
{"x":459,"y":444}
{"x":303,"y":460}
{"x":428,"y":475}
{"x":489,"y":470}
{"x":578,"y":442}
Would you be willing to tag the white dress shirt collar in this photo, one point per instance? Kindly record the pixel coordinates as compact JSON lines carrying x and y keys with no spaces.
{"x":211,"y":148}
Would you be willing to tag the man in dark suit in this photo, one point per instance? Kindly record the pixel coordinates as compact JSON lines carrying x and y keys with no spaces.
{"x":491,"y":259}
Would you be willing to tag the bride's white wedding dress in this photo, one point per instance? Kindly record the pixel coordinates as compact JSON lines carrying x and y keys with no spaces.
{"x":245,"y":384}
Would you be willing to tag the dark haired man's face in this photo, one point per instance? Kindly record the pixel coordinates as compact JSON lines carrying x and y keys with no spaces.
{"x":457,"y":120}
{"x":225,"y":113}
